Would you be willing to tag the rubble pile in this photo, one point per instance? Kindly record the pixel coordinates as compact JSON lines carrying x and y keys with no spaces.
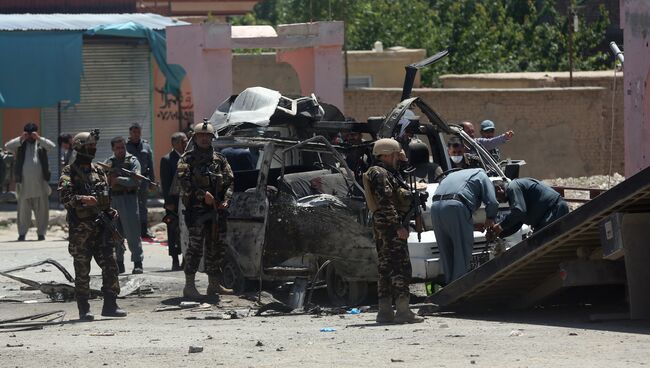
{"x":596,"y":181}
{"x":586,"y":182}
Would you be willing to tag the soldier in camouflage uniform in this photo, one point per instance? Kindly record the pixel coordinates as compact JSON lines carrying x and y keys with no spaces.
{"x":389,"y":202}
{"x":207,"y":185}
{"x":83,"y":188}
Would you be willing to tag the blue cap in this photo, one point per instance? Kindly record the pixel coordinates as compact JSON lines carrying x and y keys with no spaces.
{"x":487,"y":125}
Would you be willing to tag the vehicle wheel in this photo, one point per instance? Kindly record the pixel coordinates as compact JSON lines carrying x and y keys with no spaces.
{"x":342,"y":291}
{"x":232,"y":277}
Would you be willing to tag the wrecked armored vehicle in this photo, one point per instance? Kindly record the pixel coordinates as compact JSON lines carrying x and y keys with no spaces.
{"x":298,"y":211}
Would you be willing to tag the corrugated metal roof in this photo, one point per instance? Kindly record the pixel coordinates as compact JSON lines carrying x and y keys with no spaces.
{"x":80,"y":22}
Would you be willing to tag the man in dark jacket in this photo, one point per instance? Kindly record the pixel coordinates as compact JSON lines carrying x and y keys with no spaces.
{"x":168,"y":165}
{"x":32,"y":175}
{"x":531,"y":202}
{"x":141,"y":149}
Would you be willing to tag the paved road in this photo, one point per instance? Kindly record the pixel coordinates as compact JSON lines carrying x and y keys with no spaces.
{"x":557,"y":338}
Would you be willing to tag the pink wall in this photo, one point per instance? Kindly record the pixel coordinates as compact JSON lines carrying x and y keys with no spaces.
{"x":166,"y":115}
{"x":205,"y":52}
{"x":636,"y":22}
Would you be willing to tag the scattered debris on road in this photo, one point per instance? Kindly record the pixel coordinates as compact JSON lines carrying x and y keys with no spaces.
{"x":195,"y":349}
{"x":32,"y":322}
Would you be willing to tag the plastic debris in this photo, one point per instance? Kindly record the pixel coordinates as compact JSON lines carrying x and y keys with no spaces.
{"x":189,"y":304}
{"x":327,"y":329}
{"x":195,"y":349}
{"x":354,"y":311}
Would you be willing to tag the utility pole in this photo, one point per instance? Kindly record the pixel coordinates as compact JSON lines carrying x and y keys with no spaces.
{"x":573,"y":28}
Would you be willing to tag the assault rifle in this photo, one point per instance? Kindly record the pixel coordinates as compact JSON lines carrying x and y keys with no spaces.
{"x":123,"y":171}
{"x":107,"y":223}
{"x":418,"y":203}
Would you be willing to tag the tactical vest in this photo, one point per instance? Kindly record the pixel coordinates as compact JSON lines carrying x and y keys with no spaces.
{"x":206,"y":175}
{"x":94,"y":184}
{"x":401,"y":197}
{"x":126,"y":164}
{"x":371,"y":201}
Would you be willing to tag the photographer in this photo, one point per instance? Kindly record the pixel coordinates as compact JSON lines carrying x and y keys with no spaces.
{"x":32,"y":176}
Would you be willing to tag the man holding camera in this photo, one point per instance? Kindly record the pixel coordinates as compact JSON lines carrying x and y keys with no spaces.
{"x":32,"y":176}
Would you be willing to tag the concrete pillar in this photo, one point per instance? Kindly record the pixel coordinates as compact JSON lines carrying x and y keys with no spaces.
{"x":204,"y":51}
{"x":636,"y":25}
{"x":317,"y":58}
{"x":636,"y":246}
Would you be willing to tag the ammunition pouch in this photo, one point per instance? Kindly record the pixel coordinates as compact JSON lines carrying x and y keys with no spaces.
{"x":404,"y":201}
{"x":371,"y":201}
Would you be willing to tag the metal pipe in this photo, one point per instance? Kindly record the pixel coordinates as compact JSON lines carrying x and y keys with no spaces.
{"x":617,"y":52}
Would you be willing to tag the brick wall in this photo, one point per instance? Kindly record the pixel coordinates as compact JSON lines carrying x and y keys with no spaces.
{"x":560,"y":132}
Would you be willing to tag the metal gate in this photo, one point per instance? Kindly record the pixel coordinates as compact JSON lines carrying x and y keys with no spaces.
{"x":115,"y":91}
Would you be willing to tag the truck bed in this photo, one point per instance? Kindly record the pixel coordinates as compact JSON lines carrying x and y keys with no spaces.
{"x":505,"y":280}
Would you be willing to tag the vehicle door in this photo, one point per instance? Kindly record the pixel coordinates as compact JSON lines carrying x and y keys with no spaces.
{"x":247,"y":216}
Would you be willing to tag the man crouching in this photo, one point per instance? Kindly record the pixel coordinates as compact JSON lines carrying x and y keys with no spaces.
{"x":383,"y":196}
{"x":83,"y":188}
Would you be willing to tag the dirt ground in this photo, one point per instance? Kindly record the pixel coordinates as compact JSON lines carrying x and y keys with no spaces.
{"x":157,"y":332}
{"x":151,"y":338}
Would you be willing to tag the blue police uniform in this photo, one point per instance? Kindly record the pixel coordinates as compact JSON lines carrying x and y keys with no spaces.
{"x":533,"y":203}
{"x":457,"y":197}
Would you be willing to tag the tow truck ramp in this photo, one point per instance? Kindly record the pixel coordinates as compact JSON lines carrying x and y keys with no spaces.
{"x":568,"y":253}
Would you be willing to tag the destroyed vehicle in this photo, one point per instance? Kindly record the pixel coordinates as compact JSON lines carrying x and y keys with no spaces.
{"x":298,"y":213}
{"x":294,"y":212}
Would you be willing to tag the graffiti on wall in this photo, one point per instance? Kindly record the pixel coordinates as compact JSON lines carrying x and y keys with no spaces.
{"x":167,"y":107}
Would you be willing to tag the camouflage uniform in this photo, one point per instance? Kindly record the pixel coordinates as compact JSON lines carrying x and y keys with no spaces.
{"x":200,"y":171}
{"x":394,"y":264}
{"x":87,"y":238}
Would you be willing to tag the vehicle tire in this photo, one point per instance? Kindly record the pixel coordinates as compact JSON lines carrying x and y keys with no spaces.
{"x":342,"y":291}
{"x":232,"y":277}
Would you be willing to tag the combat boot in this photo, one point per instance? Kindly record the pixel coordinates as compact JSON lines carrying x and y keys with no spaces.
{"x":215,"y":287}
{"x":404,"y":313}
{"x":385,"y":313}
{"x":137,"y":268}
{"x":110,"y":308}
{"x":189,"y":291}
{"x":84,"y":310}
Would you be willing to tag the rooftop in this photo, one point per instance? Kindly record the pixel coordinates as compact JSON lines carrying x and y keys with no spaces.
{"x":80,"y":22}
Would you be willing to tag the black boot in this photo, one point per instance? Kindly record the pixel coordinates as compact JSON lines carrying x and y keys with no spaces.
{"x":176,"y":266}
{"x":137,"y":268}
{"x":110,"y":308}
{"x":84,"y":310}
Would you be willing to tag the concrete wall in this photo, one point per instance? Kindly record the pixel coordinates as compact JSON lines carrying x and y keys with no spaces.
{"x":385,"y":68}
{"x":560,"y":132}
{"x":612,"y":100}
{"x":635,"y":21}
{"x":250,"y":70}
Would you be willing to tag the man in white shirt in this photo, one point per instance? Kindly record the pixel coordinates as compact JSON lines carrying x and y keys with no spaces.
{"x":32,"y":175}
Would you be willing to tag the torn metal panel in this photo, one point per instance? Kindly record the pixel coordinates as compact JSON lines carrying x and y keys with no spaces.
{"x":324,"y":226}
{"x":55,"y":291}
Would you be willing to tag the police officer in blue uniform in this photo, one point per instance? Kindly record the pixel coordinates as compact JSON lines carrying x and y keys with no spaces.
{"x":531,"y":202}
{"x":457,"y":197}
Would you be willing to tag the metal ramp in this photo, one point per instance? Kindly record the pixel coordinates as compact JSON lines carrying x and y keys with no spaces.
{"x":507,"y":280}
